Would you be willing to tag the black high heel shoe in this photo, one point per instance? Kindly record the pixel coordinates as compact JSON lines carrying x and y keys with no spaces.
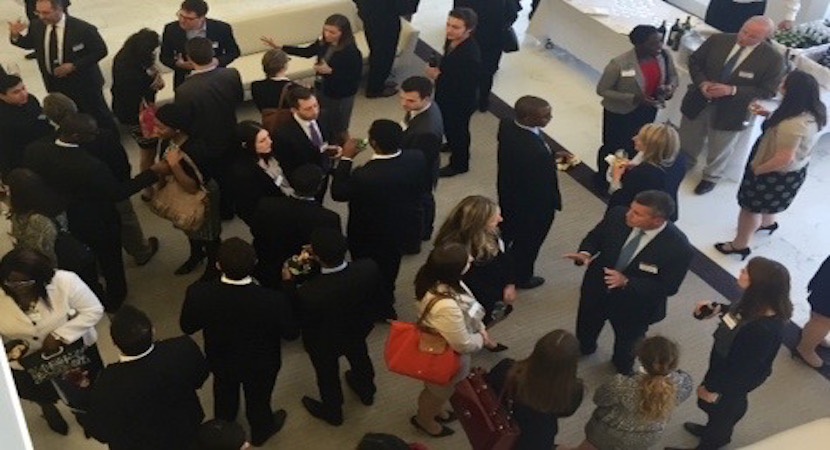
{"x":769,"y":228}
{"x":727,"y":249}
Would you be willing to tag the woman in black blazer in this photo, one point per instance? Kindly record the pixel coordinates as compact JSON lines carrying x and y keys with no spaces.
{"x":339,"y":67}
{"x":266,"y":93}
{"x":255,"y":173}
{"x":659,"y":165}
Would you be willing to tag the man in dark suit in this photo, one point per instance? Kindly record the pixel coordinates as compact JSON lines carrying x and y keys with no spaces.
{"x":636,"y":259}
{"x":384,"y":196}
{"x":728,"y":72}
{"x":211,"y":94}
{"x":68,"y":51}
{"x":21,"y":122}
{"x":382,"y":25}
{"x":336,"y":316}
{"x":282,"y":225}
{"x":194,"y":23}
{"x":729,"y":15}
{"x":527,"y":185}
{"x":243,"y":324}
{"x":424,"y":131}
{"x":305,"y":139}
{"x":148,"y":398}
{"x":92,"y":191}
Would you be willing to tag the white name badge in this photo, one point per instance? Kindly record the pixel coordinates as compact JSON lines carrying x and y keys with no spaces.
{"x":77,"y":48}
{"x":650,"y":268}
{"x":729,"y":321}
{"x":747,"y":75}
{"x":214,"y":44}
{"x":627,"y":73}
{"x":278,"y":180}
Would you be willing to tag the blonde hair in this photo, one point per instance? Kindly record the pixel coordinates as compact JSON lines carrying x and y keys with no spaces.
{"x":658,"y":397}
{"x":467,"y":225}
{"x":661,"y":143}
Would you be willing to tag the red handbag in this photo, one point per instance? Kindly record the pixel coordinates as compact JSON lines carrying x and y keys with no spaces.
{"x":419,"y":353}
{"x":147,"y":118}
{"x":489,"y":426}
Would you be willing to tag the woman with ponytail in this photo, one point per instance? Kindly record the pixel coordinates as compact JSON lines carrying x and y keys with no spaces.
{"x":632,"y":411}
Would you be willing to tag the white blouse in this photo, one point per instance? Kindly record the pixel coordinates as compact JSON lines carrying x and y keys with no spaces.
{"x":458,"y":320}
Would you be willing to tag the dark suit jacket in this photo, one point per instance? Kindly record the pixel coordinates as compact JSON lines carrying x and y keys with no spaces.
{"x":653,"y":275}
{"x":335,"y":309}
{"x":644,"y":177}
{"x":266,"y":93}
{"x":425,"y":132}
{"x":212,"y":98}
{"x":384,"y":197}
{"x":293,"y":148}
{"x":249,"y":184}
{"x":494,"y":16}
{"x":130,"y":85}
{"x":173,"y":40}
{"x":281,"y":226}
{"x":527,"y":181}
{"x":82,"y":46}
{"x":346,"y":65}
{"x":150,"y":402}
{"x":758,"y":76}
{"x":456,"y":89}
{"x":242,"y":325}
{"x":19,"y":127}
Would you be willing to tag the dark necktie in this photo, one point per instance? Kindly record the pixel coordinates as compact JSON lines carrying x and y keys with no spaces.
{"x":542,"y":140}
{"x":407,"y":118}
{"x":316,"y":139}
{"x":730,"y":64}
{"x":52,"y":59}
{"x":627,"y":252}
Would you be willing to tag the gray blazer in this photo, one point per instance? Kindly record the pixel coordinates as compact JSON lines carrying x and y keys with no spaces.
{"x":622,"y":80}
{"x":757,"y":77}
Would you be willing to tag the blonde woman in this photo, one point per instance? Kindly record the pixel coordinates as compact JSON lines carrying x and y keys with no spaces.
{"x":474,"y":223}
{"x":632,"y":411}
{"x":658,"y":165}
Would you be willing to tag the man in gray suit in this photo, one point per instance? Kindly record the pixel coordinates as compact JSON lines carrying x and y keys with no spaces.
{"x":423,"y":130}
{"x":728,"y":72}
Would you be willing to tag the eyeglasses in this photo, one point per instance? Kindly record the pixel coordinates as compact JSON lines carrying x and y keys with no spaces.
{"x":181,"y":16}
{"x":18,"y":284}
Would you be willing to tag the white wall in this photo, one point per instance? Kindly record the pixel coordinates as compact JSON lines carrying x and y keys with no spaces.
{"x":15,"y":434}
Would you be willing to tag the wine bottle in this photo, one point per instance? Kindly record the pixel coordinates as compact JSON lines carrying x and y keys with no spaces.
{"x":687,"y":25}
{"x":678,"y":37}
{"x":674,"y":33}
{"x":662,"y":31}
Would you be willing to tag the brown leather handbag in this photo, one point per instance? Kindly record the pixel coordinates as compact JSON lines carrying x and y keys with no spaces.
{"x":488,"y":424}
{"x":172,"y":202}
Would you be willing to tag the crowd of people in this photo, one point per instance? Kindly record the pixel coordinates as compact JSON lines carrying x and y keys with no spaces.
{"x":69,"y":185}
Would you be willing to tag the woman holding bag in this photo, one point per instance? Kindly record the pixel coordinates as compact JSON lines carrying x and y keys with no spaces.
{"x":185,"y":156}
{"x":447,"y":307}
{"x":43,"y":309}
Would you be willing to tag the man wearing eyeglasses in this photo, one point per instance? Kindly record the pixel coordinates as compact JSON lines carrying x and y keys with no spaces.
{"x":192,"y":22}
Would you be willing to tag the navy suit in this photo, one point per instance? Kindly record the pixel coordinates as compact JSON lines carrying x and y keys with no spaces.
{"x":425,"y":132}
{"x":654,"y":274}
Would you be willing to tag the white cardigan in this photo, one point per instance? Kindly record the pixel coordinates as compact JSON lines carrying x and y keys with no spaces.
{"x":458,"y":321}
{"x":74,"y":312}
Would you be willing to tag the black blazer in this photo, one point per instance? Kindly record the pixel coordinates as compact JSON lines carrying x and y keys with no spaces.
{"x":266,"y":93}
{"x":494,"y":16}
{"x":335,"y":308}
{"x":211,"y":98}
{"x":644,"y":177}
{"x":425,"y":132}
{"x":83,"y":46}
{"x":456,"y":89}
{"x":527,"y":181}
{"x":130,"y":85}
{"x":346,"y":65}
{"x":281,"y":226}
{"x":384,"y":197}
{"x":242,"y":325}
{"x":293,"y":148}
{"x":249,"y":184}
{"x":173,"y":40}
{"x":19,"y":127}
{"x":653,"y":275}
{"x":150,"y":402}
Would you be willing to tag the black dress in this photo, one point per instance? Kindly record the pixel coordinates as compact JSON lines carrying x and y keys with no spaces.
{"x":644,"y":177}
{"x":819,"y":288}
{"x":487,"y":280}
{"x":538,"y":428}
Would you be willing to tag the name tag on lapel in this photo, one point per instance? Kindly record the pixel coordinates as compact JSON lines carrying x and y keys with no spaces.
{"x":78,"y":47}
{"x":729,"y":321}
{"x":627,"y":73}
{"x":649,"y":268}
{"x":214,"y":44}
{"x":747,"y":75}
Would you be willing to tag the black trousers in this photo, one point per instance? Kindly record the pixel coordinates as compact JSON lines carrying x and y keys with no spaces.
{"x":618,"y":130}
{"x":327,"y":369}
{"x":723,"y":416}
{"x":457,"y":131}
{"x":388,"y":258}
{"x":628,"y":331}
{"x":105,"y":242}
{"x":382,"y":36}
{"x":526,"y":233}
{"x":490,"y":58}
{"x":257,"y":387}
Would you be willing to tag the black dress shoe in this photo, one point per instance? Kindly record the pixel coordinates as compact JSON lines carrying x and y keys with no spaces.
{"x":499,"y":347}
{"x":279,"y":421}
{"x":387,"y":91}
{"x":449,"y":171}
{"x":727,"y":248}
{"x":318,"y":410}
{"x":445,"y":431}
{"x":703,"y":187}
{"x":451,"y":417}
{"x":366,"y":398}
{"x":190,"y":265}
{"x":154,"y":248}
{"x":54,"y":419}
{"x":695,"y":429}
{"x":530,"y":283}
